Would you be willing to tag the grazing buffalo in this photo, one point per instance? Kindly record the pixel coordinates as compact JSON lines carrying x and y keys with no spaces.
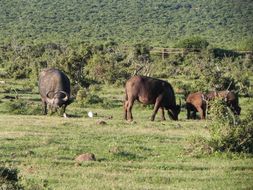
{"x":149,"y":90}
{"x":229,"y":97}
{"x":196,"y":102}
{"x":54,"y":87}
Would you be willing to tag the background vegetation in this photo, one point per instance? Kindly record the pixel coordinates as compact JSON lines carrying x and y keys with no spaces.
{"x":226,"y":24}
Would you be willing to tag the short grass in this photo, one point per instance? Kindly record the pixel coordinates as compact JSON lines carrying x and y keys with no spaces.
{"x":137,"y":155}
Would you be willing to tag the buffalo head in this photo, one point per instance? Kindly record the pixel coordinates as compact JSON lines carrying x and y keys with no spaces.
{"x":57,"y":99}
{"x":174,"y":112}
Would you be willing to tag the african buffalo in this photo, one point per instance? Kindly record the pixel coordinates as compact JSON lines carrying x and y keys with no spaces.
{"x":196,"y":102}
{"x":54,"y":88}
{"x":149,"y":90}
{"x":229,"y":97}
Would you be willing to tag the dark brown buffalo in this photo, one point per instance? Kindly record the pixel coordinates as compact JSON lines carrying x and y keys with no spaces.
{"x":54,"y":87}
{"x":149,"y":90}
{"x":196,"y":102}
{"x":229,"y":97}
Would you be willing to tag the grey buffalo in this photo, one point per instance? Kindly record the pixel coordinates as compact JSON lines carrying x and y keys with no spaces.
{"x":54,"y":88}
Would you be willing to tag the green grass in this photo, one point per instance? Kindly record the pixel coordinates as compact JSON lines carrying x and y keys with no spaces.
{"x":137,"y":155}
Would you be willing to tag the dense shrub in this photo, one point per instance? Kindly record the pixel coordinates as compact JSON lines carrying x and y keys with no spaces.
{"x":193,"y":42}
{"x":93,"y":99}
{"x":227,"y":133}
{"x":81,"y":95}
{"x":9,"y":179}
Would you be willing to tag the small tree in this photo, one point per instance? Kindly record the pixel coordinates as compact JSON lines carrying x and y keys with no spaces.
{"x":192,"y":42}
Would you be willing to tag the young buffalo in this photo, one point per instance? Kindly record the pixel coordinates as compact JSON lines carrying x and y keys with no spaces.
{"x":196,"y":102}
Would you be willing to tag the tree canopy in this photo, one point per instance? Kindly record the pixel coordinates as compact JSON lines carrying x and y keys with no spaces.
{"x":159,"y":23}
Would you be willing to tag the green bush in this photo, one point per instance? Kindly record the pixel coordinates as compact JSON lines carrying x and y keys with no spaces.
{"x":193,"y":42}
{"x":81,"y":95}
{"x":227,"y":133}
{"x":9,"y":179}
{"x":226,"y":137}
{"x":93,"y":99}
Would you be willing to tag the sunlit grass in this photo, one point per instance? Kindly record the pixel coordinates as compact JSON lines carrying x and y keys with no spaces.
{"x":137,"y":155}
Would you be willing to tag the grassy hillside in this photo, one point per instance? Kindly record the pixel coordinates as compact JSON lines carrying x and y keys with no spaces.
{"x":160,"y":23}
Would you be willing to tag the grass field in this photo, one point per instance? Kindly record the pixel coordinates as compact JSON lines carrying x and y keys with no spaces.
{"x":137,"y":155}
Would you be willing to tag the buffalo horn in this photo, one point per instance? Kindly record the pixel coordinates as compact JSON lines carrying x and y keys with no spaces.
{"x":66,"y":96}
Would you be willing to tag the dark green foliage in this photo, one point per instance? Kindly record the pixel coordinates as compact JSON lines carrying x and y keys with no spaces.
{"x":109,"y":63}
{"x":160,"y":23}
{"x":93,"y":99}
{"x":227,"y":133}
{"x":221,"y":53}
{"x":193,"y":42}
{"x":9,"y":179}
{"x":139,"y":60}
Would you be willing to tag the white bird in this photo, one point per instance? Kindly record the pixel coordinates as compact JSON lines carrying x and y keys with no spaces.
{"x":90,"y":114}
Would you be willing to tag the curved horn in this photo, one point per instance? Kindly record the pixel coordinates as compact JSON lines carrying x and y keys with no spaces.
{"x":66,"y":96}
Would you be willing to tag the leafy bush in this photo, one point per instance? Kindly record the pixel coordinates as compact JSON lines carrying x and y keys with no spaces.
{"x":232,"y":138}
{"x":81,"y":95}
{"x":9,"y":179}
{"x":227,"y":133}
{"x":93,"y":99}
{"x":193,"y":42}
{"x":94,"y":88}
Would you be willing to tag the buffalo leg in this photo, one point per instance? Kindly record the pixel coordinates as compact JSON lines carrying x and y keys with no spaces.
{"x":201,"y":112}
{"x":64,"y":109}
{"x":188,"y":113}
{"x":162,"y":111}
{"x":44,"y":105}
{"x":157,"y":106}
{"x":194,"y":114}
{"x":129,"y":109}
{"x":189,"y":110}
{"x":125,"y":109}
